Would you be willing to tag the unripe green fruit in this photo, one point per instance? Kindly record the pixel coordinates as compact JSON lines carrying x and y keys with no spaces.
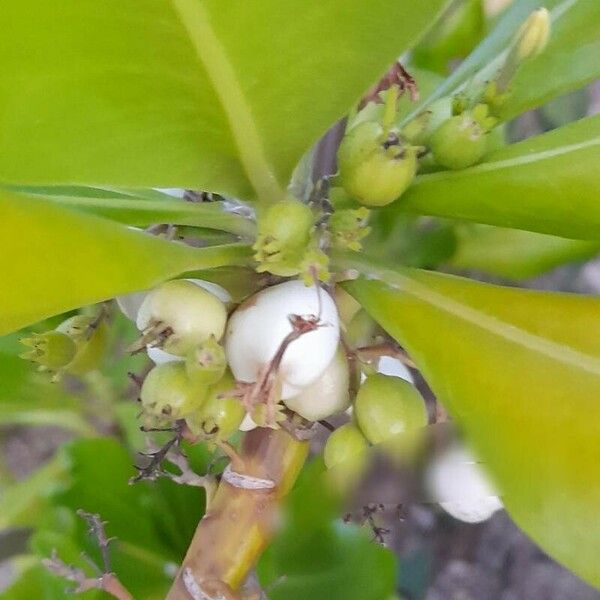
{"x":459,"y":142}
{"x":346,"y":445}
{"x":168,"y":394}
{"x":179,"y":315}
{"x":420,"y":129}
{"x":221,"y":413}
{"x":206,"y":363}
{"x":283,"y":237}
{"x":387,"y":406}
{"x":375,"y":168}
{"x":91,"y":339}
{"x":52,"y":350}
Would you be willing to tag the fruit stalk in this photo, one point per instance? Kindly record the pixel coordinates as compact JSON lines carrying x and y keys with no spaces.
{"x":239,"y":522}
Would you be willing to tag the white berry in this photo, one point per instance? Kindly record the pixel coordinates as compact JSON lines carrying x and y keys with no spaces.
{"x":461,"y":487}
{"x":328,"y":395}
{"x":258,"y":327}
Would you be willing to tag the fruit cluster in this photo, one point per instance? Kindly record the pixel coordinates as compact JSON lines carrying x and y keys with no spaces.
{"x":276,"y":359}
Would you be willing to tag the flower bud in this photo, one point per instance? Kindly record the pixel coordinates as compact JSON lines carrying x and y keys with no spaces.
{"x":375,"y":167}
{"x":533,"y":35}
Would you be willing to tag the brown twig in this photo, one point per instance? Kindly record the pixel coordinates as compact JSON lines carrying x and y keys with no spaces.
{"x":385,"y":349}
{"x":106,"y":580}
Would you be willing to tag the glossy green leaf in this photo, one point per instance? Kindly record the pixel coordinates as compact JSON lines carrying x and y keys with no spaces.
{"x":486,"y":52}
{"x":520,"y":372}
{"x":570,"y":60}
{"x":153,"y":523}
{"x":143,"y":208}
{"x":458,"y":30}
{"x":224,"y":96}
{"x":53,"y":260}
{"x":547,"y":184}
{"x":514,"y":253}
{"x":569,"y":57}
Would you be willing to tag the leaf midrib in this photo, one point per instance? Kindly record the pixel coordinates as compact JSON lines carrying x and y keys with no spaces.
{"x":512,"y":333}
{"x":221,"y":73}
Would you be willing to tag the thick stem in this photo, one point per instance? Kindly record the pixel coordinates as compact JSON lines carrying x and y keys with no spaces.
{"x":239,"y":521}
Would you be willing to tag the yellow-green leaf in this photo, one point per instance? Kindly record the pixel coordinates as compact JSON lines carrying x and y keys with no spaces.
{"x":203,"y":94}
{"x":53,"y":260}
{"x":520,"y":372}
{"x":547,"y":184}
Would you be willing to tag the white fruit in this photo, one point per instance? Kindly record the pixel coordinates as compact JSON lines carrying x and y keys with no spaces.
{"x":458,"y":483}
{"x":258,"y":327}
{"x":159,"y":356}
{"x":392,"y":366}
{"x":190,"y":312}
{"x":328,"y":395}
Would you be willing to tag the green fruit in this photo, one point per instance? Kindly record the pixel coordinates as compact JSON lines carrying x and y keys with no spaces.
{"x":179,"y":315}
{"x":387,"y":406}
{"x":168,"y":394}
{"x":91,"y":339}
{"x":420,"y":129}
{"x":206,"y":363}
{"x":283,"y":237}
{"x":52,"y":350}
{"x":459,"y":142}
{"x":375,"y":167}
{"x":346,"y":445}
{"x":221,"y":413}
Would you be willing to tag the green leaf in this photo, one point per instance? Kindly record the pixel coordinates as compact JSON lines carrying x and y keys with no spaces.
{"x":520,"y":372}
{"x":318,"y":558}
{"x":489,"y":49}
{"x":24,"y":502}
{"x":547,"y":184}
{"x":152,"y":523}
{"x":513,"y":253}
{"x":569,"y":62}
{"x":186,"y":93}
{"x":144,"y":208}
{"x":53,"y":260}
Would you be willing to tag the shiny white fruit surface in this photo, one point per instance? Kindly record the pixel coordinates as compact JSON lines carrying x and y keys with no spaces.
{"x":328,"y":395}
{"x":461,"y":487}
{"x":258,"y":327}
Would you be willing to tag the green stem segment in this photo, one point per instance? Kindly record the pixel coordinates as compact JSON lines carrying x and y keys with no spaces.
{"x":239,"y":522}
